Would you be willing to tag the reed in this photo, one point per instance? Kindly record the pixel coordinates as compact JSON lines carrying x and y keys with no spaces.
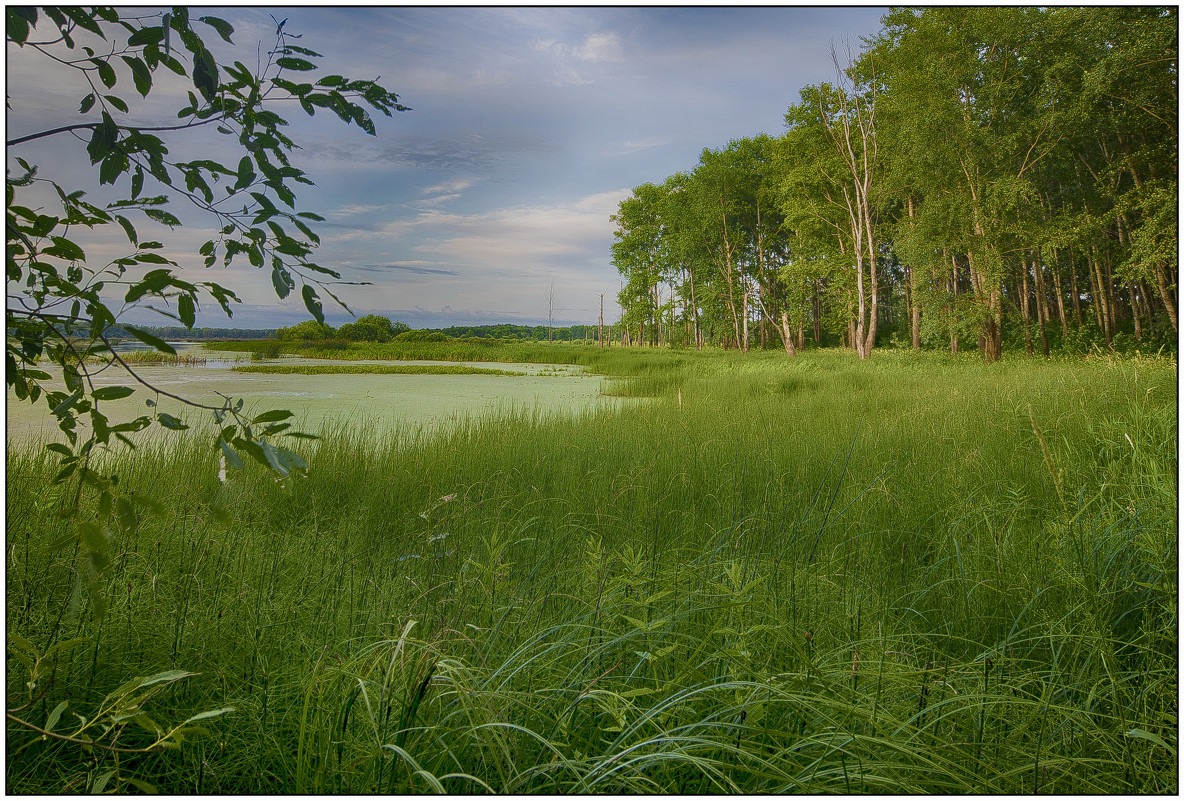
{"x":807,"y":576}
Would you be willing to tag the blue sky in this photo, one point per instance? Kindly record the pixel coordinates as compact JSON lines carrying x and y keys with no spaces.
{"x":529,"y":125}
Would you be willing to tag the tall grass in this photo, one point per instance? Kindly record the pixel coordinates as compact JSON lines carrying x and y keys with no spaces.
{"x":781,"y":576}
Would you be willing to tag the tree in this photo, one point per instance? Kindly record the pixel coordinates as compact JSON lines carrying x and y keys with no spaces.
{"x":306,"y":331}
{"x":372,"y":328}
{"x":60,"y":304}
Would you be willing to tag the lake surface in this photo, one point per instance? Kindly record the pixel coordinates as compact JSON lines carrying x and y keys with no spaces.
{"x":385,"y":404}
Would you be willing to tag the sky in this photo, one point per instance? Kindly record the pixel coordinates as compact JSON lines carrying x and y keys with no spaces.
{"x":528,"y":127}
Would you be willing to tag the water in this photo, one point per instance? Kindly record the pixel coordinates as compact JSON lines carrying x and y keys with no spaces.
{"x":380,"y":403}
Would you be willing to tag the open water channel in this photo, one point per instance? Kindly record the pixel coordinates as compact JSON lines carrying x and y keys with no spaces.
{"x":383,"y":404}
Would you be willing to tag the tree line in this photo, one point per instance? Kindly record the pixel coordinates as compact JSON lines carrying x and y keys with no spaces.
{"x":974,"y":177}
{"x":376,"y":328}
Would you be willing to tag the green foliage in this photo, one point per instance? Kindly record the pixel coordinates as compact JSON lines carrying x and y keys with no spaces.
{"x":421,"y":336}
{"x":372,"y":328}
{"x":64,"y":307}
{"x":306,"y":331}
{"x":828,"y":576}
{"x":1045,"y":147}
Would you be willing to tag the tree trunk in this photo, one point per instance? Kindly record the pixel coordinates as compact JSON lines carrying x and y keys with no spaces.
{"x":1024,"y":307}
{"x":745,"y":307}
{"x":1076,"y":291}
{"x":817,"y":314}
{"x":991,"y":330}
{"x":954,"y":285}
{"x":1102,"y":298}
{"x":911,"y":289}
{"x":1056,"y":282}
{"x":1169,"y":303}
{"x":1041,"y":302}
{"x":695,"y":311}
{"x":786,"y":334}
{"x":1135,"y":313}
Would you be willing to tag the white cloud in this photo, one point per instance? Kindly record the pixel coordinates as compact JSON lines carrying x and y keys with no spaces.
{"x":633,"y":146}
{"x":600,"y":47}
{"x":442,"y":193}
{"x":525,"y":240}
{"x":522,"y":239}
{"x":357,"y":208}
{"x":455,"y":185}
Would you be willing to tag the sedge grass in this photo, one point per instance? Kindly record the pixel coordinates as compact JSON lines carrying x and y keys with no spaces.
{"x":809,"y":576}
{"x":372,"y":369}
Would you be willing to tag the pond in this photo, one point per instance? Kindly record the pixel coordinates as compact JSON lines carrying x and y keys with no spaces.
{"x":384,"y":404}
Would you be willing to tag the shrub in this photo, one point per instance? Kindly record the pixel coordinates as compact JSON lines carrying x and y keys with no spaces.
{"x":307,"y":331}
{"x":422,"y":336}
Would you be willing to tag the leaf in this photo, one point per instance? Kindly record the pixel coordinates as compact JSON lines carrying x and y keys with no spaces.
{"x":149,"y":339}
{"x":113,"y":166}
{"x":186,"y":311}
{"x":312,"y":303}
{"x":111,"y":393}
{"x":246,"y":173}
{"x":126,"y":224}
{"x":101,"y":782}
{"x":141,"y":75}
{"x":102,"y":139}
{"x":65,"y":249}
{"x":18,"y":22}
{"x":125,"y":513}
{"x":106,"y":74}
{"x":205,"y":74}
{"x":146,"y":36}
{"x":281,"y":281}
{"x":298,"y":64}
{"x":224,"y":28}
{"x":274,"y":458}
{"x":144,"y":786}
{"x":212,"y":713}
{"x":273,"y":416}
{"x":232,"y":458}
{"x":83,"y":20}
{"x":117,"y":102}
{"x":87,"y":103}
{"x":170,"y":422}
{"x":55,"y":715}
{"x":163,"y":217}
{"x":1141,"y":734}
{"x":70,"y":400}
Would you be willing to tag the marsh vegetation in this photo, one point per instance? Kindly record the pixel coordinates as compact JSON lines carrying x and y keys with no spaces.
{"x":914,"y":574}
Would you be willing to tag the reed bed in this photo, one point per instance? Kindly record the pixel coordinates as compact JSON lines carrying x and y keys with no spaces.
{"x":920,"y":574}
{"x":152,"y":358}
{"x":372,"y":369}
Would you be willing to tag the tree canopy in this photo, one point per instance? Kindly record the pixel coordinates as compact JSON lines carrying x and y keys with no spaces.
{"x":1003,"y":176}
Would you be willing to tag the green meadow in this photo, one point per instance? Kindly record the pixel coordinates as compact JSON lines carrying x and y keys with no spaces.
{"x":915,"y":574}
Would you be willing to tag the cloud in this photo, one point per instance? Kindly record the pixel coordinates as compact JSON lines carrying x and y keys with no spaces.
{"x":442,"y":193}
{"x":357,"y":208}
{"x":454,"y":185}
{"x":411,"y":267}
{"x":467,"y":152}
{"x":634,"y":146}
{"x":521,"y":240}
{"x":600,"y":47}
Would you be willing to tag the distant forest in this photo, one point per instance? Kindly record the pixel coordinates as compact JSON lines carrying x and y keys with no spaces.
{"x":574,"y":333}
